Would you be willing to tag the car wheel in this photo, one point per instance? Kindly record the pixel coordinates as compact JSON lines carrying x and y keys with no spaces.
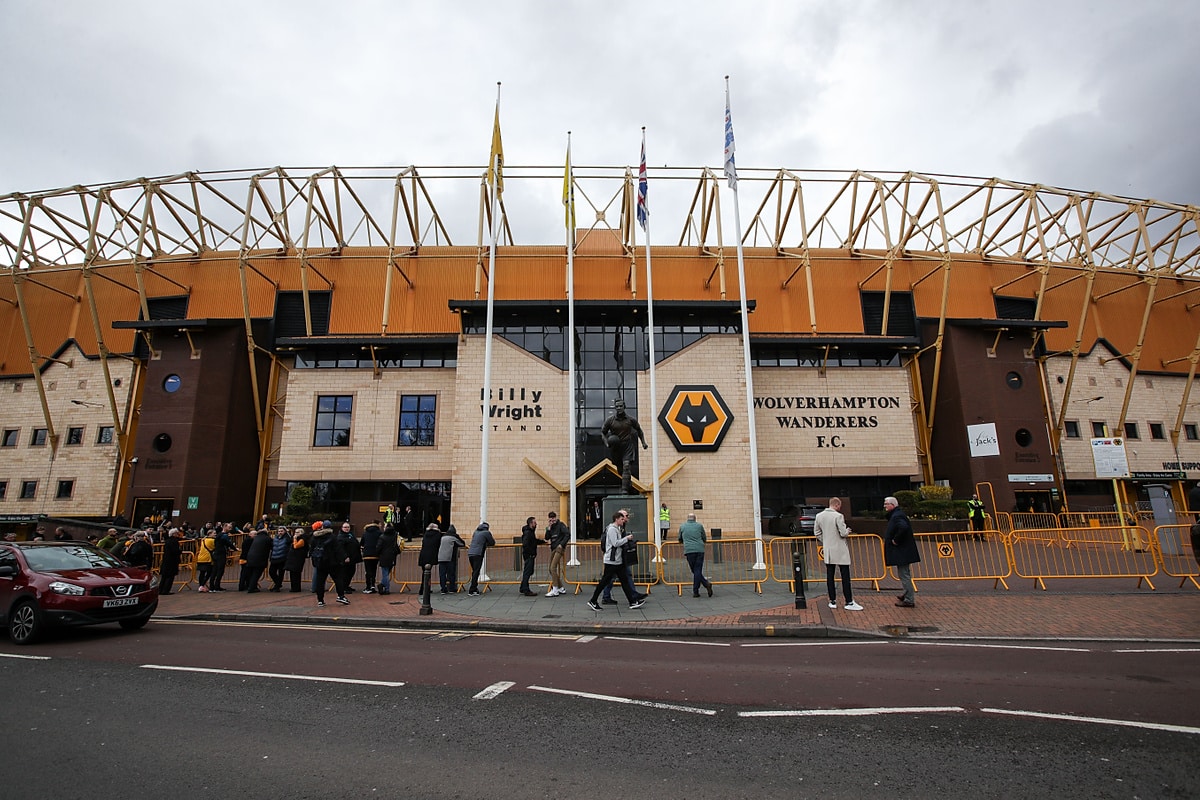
{"x":24,"y":623}
{"x":134,"y":624}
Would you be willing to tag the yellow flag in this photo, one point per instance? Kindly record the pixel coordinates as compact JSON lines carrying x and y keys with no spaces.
{"x":569,"y":192}
{"x":495,"y":172}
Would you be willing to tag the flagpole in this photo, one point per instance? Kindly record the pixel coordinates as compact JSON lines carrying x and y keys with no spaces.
{"x":644,"y":218}
{"x":731,"y":173}
{"x":495,"y":178}
{"x":569,"y":202}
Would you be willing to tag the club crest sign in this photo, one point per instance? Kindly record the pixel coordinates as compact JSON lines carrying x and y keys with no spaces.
{"x":695,"y":418}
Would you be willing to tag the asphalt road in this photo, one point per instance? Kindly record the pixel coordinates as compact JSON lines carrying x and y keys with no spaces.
{"x":465,"y":715}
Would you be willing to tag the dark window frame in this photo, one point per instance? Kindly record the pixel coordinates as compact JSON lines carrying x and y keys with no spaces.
{"x":1098,"y":429}
{"x":1158,"y":431}
{"x":29,"y":490}
{"x":1132,"y":432}
{"x":11,"y":438}
{"x":104,"y":435}
{"x":330,"y":429}
{"x":1071,"y":428}
{"x":67,"y":484}
{"x":1191,"y":432}
{"x":418,"y":421}
{"x":38,"y":437}
{"x":75,"y":435}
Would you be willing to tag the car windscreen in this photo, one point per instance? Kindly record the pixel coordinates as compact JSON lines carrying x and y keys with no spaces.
{"x":51,"y":559}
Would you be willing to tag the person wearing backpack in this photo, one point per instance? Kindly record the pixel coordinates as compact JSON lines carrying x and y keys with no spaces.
{"x":329,"y":560}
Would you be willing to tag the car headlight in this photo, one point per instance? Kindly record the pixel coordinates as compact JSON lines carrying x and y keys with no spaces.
{"x":62,"y":587}
{"x":154,"y":580}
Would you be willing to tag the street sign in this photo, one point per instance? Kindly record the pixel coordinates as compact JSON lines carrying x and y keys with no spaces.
{"x":193,"y":503}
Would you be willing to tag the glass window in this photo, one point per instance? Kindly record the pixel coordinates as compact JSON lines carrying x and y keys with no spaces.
{"x":65,"y":489}
{"x":418,"y":420}
{"x":28,"y":490}
{"x":39,"y":438}
{"x":1098,"y":430}
{"x":1131,"y":431}
{"x":74,"y":435}
{"x":3,"y":489}
{"x":332,"y":427}
{"x":1190,"y":431}
{"x":1157,"y":431}
{"x":105,"y":435}
{"x":1071,"y":427}
{"x":10,"y":437}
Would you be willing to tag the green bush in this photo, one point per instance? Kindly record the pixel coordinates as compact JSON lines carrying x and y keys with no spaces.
{"x":300,"y":501}
{"x":937,"y":493}
{"x":908,"y":499}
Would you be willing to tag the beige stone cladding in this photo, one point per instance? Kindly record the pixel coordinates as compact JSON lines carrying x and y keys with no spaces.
{"x":528,"y":419}
{"x":76,"y":398}
{"x":843,"y":421}
{"x":1098,"y":393}
{"x":373,"y":453}
{"x":719,"y":480}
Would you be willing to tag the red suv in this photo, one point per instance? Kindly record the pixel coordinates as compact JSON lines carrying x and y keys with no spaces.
{"x":70,"y":583}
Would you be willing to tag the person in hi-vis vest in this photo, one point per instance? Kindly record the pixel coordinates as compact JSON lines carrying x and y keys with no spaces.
{"x":664,"y":520}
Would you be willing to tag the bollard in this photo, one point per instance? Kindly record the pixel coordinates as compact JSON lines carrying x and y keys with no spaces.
{"x":426,"y":601}
{"x":798,"y":574}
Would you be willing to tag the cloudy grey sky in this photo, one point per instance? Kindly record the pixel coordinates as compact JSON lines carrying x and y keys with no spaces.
{"x":1083,"y":94}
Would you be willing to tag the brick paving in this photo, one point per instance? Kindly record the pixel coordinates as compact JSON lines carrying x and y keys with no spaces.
{"x":1097,"y":610}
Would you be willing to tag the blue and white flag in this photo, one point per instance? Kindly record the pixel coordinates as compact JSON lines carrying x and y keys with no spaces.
{"x":643,"y":209}
{"x":730,"y":167}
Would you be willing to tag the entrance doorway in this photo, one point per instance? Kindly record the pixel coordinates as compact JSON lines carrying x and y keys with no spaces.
{"x":156,"y":509}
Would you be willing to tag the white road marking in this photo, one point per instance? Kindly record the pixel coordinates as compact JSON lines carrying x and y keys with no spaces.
{"x":585,"y":639}
{"x":808,"y":643}
{"x":626,"y":700}
{"x":285,"y":675}
{"x":1163,"y":650}
{"x":495,"y":690}
{"x":30,"y":658}
{"x":1127,"y":723}
{"x":425,"y":632}
{"x":656,"y":640}
{"x":998,"y":646}
{"x":852,"y":712}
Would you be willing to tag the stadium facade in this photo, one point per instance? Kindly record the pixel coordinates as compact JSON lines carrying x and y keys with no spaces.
{"x":193,"y":346}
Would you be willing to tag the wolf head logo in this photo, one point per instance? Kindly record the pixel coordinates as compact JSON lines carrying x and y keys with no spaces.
{"x":696,"y":418}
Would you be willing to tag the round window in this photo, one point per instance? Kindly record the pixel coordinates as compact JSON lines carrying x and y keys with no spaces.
{"x":1024,"y":438}
{"x":1014,"y":380}
{"x":161,"y":443}
{"x":172,"y":383}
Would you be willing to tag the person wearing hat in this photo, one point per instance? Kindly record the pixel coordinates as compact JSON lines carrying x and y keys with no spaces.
{"x":481,"y":540}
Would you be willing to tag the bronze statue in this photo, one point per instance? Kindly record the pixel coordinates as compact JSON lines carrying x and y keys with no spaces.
{"x":618,"y":433}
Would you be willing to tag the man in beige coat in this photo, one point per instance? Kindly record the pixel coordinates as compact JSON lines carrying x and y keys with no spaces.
{"x":831,"y":531}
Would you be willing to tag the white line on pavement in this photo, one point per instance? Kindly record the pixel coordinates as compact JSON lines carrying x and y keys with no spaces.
{"x":805,"y":643}
{"x":656,"y":640}
{"x":286,"y":675}
{"x":1163,"y":650}
{"x":997,"y":646}
{"x":626,"y":700}
{"x":30,"y":658}
{"x":852,"y":712}
{"x":585,"y":639}
{"x":1127,"y":723}
{"x":495,"y":690}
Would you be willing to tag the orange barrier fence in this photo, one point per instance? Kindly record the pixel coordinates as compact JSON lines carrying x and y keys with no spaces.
{"x":962,"y":555}
{"x":1117,"y":551}
{"x":726,"y":561}
{"x":866,"y":558}
{"x":1176,"y":554}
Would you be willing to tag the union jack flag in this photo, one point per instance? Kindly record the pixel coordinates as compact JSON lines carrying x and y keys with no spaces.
{"x":643,"y":210}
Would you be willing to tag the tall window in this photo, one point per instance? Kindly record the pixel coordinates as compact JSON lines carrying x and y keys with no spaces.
{"x":10,"y":437}
{"x":1098,"y":429}
{"x":1190,"y":431}
{"x":74,"y":435}
{"x":38,"y":439}
{"x":3,"y":489}
{"x":1157,"y":431}
{"x":418,"y":420}
{"x":65,"y":489}
{"x":104,"y":435}
{"x":1071,"y":428}
{"x":28,"y":490}
{"x":332,"y":428}
{"x":1131,"y":431}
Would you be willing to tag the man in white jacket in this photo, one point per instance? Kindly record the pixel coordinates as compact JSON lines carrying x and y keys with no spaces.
{"x":831,"y":531}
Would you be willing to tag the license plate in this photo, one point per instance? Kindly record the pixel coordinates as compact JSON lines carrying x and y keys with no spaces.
{"x":117,"y":602}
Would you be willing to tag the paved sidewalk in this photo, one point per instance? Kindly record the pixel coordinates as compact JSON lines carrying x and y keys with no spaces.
{"x":1086,"y":610}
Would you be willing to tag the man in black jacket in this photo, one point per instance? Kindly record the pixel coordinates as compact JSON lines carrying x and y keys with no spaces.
{"x":558,"y":536}
{"x":529,"y":548}
{"x":370,"y":554}
{"x":258,"y":555}
{"x":900,"y":550}
{"x":170,"y":561}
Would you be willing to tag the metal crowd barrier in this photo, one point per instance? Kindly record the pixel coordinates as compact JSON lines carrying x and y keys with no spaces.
{"x":1117,"y":551}
{"x":962,"y":555}
{"x":1176,"y":554}
{"x":866,"y":560}
{"x":726,"y":561}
